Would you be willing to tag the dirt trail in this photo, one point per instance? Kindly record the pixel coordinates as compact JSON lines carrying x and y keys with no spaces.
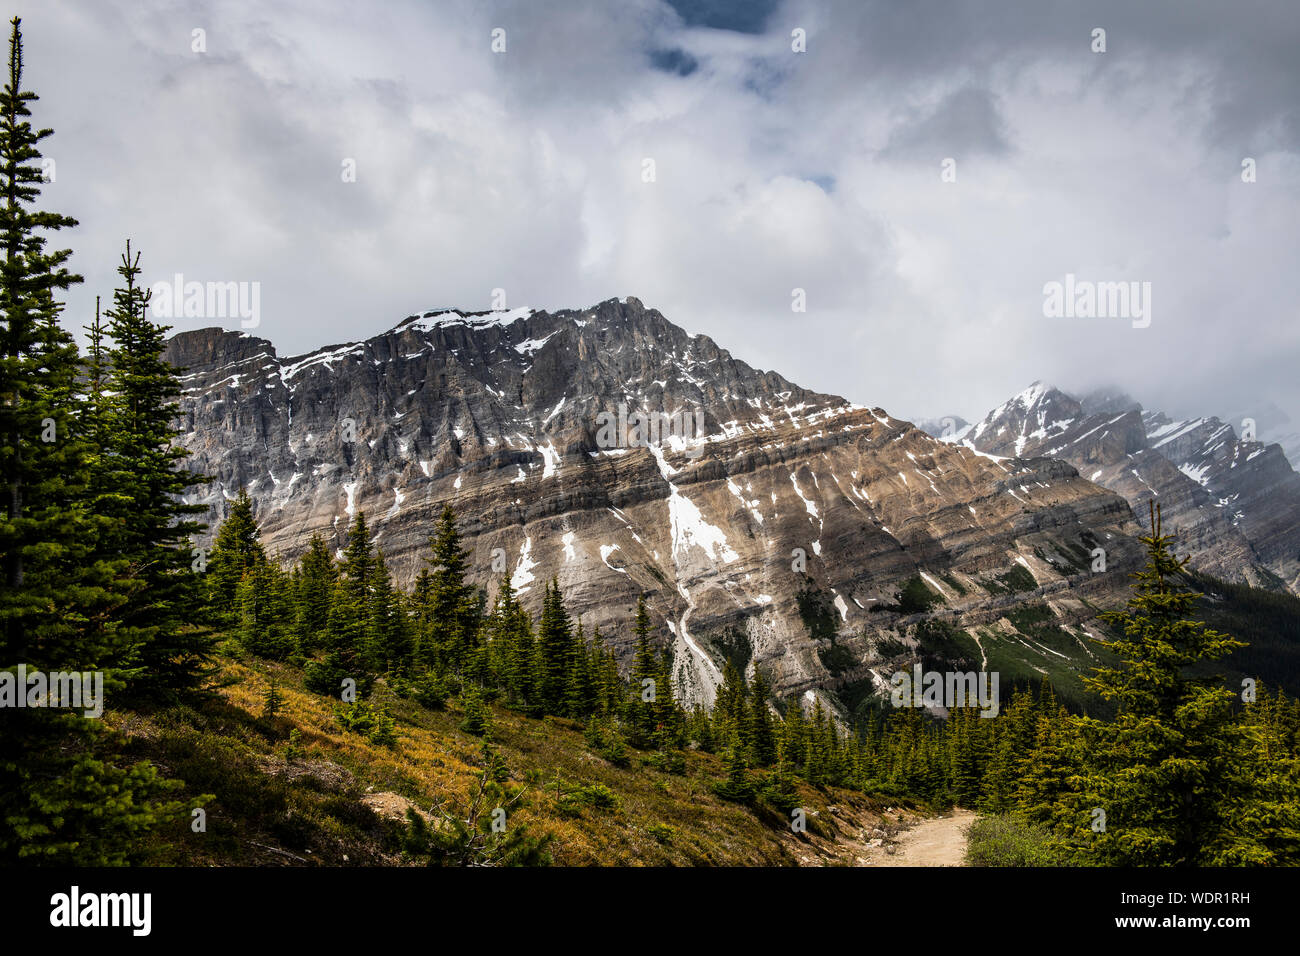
{"x":938,"y":841}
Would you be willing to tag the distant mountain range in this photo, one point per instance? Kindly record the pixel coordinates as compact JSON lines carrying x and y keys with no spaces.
{"x":1234,"y":503}
{"x":830,"y":543}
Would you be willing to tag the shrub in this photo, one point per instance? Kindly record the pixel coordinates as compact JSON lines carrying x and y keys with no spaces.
{"x":662,"y":832}
{"x":595,"y":795}
{"x":1006,"y":841}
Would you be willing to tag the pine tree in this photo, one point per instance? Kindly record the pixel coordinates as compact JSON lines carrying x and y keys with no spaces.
{"x":1041,"y":795}
{"x":794,"y":734}
{"x":817,"y":759}
{"x":555,"y":647}
{"x":389,"y":647}
{"x":964,"y":756}
{"x":478,"y":719}
{"x":145,"y":486}
{"x":780,"y":788}
{"x":347,"y":630}
{"x":453,"y":606}
{"x":581,"y":688}
{"x":272,"y":700}
{"x":315,"y":591}
{"x":264,"y":604}
{"x":738,"y":786}
{"x":96,"y":404}
{"x":604,"y":671}
{"x":642,"y":711}
{"x":513,"y":632}
{"x":348,"y":626}
{"x":237,"y":547}
{"x":761,"y":739}
{"x":1173,"y":772}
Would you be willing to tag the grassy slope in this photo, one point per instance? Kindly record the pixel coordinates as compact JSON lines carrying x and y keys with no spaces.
{"x":317,"y":809}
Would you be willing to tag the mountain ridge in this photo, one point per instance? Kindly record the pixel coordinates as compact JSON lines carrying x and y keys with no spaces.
{"x":1234,"y":502}
{"x":767,"y":538}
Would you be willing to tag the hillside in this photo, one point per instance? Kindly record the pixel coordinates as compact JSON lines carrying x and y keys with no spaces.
{"x":342,"y":800}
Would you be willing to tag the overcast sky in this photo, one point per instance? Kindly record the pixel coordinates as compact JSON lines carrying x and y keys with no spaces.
{"x":774,"y":170}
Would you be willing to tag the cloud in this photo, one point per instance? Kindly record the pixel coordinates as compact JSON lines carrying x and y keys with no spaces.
{"x":965,"y":122}
{"x":774,"y":170}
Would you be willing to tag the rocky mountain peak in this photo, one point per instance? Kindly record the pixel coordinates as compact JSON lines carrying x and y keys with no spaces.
{"x":610,"y":449}
{"x":1234,"y":504}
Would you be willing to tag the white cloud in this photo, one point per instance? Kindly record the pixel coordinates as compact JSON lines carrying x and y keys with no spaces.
{"x":775,"y":170}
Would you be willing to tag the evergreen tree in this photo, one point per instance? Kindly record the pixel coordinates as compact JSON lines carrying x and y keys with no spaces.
{"x":144,"y":485}
{"x":642,"y":711}
{"x":794,"y":734}
{"x":817,"y":756}
{"x":237,"y":547}
{"x":315,"y":591}
{"x":964,"y":755}
{"x":513,"y":637}
{"x":581,"y":689}
{"x":478,"y":719}
{"x":272,"y":700}
{"x":780,"y":788}
{"x":555,"y":647}
{"x":738,"y":786}
{"x":453,"y":606}
{"x":264,"y":605}
{"x":347,"y":630}
{"x":1174,"y":771}
{"x":761,"y":738}
{"x":390,"y":647}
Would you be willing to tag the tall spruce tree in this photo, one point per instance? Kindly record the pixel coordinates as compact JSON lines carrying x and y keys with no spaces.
{"x":555,"y":651}
{"x":453,"y":605}
{"x":1173,"y":771}
{"x":153,"y":526}
{"x":315,"y":592}
{"x":237,"y":547}
{"x":348,"y":628}
{"x":642,"y":714}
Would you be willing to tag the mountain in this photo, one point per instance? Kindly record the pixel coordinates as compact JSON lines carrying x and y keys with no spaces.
{"x":1234,"y":503}
{"x":765,"y":523}
{"x":1273,"y":426}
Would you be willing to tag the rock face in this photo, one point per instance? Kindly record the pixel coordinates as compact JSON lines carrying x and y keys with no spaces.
{"x":1234,"y":504}
{"x":763,"y":523}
